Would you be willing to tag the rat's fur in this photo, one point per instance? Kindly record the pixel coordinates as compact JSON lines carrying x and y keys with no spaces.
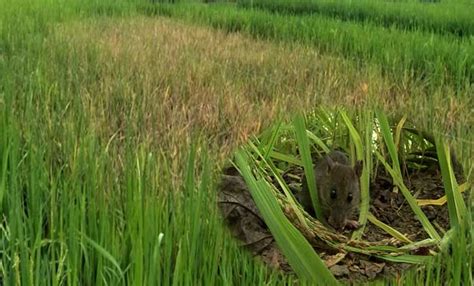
{"x":333,"y":172}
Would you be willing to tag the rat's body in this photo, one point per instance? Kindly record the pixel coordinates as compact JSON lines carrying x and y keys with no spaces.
{"x":337,"y":184}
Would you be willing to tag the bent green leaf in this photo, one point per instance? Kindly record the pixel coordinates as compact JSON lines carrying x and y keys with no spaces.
{"x":301,"y":256}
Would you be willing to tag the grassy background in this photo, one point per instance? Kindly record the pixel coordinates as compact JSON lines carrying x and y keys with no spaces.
{"x":444,"y":17}
{"x":101,"y":107}
{"x":436,"y":60}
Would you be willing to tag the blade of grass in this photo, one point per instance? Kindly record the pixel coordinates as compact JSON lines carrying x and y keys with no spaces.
{"x":441,"y":201}
{"x":106,"y":255}
{"x":396,"y":174}
{"x":387,"y":136}
{"x":274,"y":136}
{"x":354,"y":135}
{"x":398,"y":131}
{"x":388,"y":229}
{"x":417,"y":244}
{"x":3,"y":178}
{"x":286,"y":158}
{"x":456,"y":207}
{"x":393,"y":255}
{"x":276,"y":173}
{"x":297,"y":250}
{"x":364,"y":179}
{"x":317,"y":141}
{"x":406,"y":258}
{"x":189,"y":176}
{"x":410,"y":199}
{"x":303,"y":146}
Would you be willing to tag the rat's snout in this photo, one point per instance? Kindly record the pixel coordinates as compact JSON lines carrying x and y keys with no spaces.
{"x":337,"y":220}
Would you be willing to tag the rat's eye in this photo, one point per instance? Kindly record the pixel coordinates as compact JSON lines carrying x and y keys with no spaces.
{"x":349,"y":198}
{"x":333,"y":194}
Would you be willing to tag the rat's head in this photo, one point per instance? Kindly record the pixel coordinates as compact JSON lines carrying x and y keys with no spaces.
{"x":340,"y":193}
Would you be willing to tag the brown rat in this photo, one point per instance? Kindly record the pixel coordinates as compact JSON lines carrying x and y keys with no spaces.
{"x":337,"y":184}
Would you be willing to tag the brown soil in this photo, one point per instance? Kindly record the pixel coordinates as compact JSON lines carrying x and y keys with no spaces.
{"x":387,"y":204}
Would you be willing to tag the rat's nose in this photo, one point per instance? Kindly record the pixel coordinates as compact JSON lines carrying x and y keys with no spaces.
{"x":337,"y":222}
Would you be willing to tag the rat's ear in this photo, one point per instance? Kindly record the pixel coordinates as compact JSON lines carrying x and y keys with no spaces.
{"x":331,"y":163}
{"x":358,"y":168}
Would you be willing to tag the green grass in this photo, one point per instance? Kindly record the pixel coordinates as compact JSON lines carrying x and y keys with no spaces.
{"x":433,"y":59}
{"x":442,"y":18}
{"x":100,"y":108}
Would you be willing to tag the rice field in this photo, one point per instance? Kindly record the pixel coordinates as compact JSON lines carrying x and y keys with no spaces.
{"x":445,"y":17}
{"x":117,"y":117}
{"x":431,"y":58}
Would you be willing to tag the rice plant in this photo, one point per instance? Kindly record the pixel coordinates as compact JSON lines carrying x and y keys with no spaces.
{"x":443,"y":18}
{"x":430,"y":58}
